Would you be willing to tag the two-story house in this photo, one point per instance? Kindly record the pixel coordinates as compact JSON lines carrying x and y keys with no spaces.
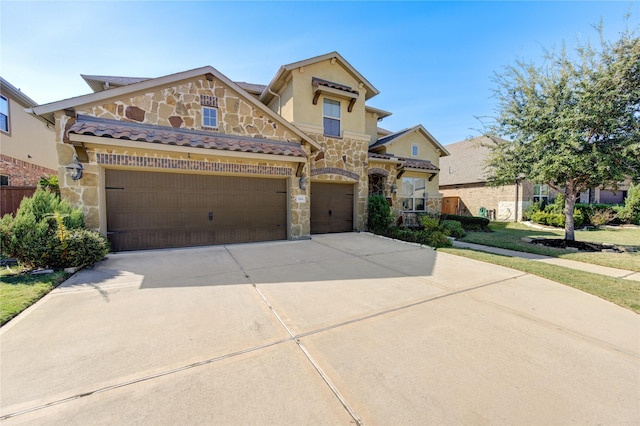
{"x":27,"y":147}
{"x":195,"y":158}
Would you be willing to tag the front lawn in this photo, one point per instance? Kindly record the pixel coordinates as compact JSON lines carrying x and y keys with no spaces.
{"x":508,"y":235}
{"x":19,"y":290}
{"x":625,"y":293}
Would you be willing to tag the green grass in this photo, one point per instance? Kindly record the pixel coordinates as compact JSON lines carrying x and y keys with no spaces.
{"x":625,"y":293}
{"x":508,"y":235}
{"x":19,"y":290}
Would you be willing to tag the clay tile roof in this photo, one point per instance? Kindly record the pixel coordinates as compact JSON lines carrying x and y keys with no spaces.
{"x":315,"y":81}
{"x":418,"y":164}
{"x":382,"y":156}
{"x":106,"y":128}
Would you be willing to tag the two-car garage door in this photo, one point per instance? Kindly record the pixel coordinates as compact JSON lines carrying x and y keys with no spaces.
{"x":154,"y":210}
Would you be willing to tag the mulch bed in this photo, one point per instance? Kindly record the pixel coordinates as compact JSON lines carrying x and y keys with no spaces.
{"x":580,"y":245}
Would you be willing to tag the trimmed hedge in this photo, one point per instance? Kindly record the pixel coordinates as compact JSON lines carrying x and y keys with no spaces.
{"x":469,"y":223}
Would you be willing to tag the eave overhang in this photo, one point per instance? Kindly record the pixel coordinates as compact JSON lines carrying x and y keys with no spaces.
{"x":97,"y":131}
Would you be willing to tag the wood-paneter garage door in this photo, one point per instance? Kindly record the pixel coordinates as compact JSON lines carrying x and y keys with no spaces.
{"x":148,"y":210}
{"x":331,"y":208}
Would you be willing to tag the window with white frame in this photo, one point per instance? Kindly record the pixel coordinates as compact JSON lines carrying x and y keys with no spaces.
{"x":4,"y":114}
{"x":209,"y":117}
{"x":331,"y":117}
{"x":414,"y":150}
{"x":414,"y":194}
{"x":540,"y":193}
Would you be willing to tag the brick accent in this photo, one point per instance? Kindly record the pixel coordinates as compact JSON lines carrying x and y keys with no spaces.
{"x":194,"y":165}
{"x":22,"y":173}
{"x":378,"y":171}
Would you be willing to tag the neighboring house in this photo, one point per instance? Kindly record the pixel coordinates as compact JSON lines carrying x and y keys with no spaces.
{"x":465,"y":188}
{"x":195,"y":158}
{"x":27,"y":147}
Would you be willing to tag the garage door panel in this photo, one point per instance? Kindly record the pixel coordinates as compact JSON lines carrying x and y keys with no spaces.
{"x":154,"y":210}
{"x":331,"y":208}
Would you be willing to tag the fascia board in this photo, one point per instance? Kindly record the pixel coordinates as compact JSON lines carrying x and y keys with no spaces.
{"x":16,"y":94}
{"x":381,"y":113}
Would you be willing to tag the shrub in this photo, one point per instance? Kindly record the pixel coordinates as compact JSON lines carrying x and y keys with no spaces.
{"x":429,"y":223}
{"x":48,"y":232}
{"x":469,"y":223}
{"x":435,"y":238}
{"x":84,"y":247}
{"x":601,"y":217}
{"x":631,"y":211}
{"x":556,"y":219}
{"x":454,"y":228}
{"x":379,"y":214}
{"x":50,"y":183}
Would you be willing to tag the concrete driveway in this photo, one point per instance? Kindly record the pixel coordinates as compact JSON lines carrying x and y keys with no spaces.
{"x":340,"y":329}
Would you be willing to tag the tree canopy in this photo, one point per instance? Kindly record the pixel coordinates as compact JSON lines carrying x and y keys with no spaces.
{"x":572,"y":122}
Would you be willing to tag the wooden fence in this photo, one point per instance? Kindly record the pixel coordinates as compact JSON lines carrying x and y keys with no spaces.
{"x":11,"y":196}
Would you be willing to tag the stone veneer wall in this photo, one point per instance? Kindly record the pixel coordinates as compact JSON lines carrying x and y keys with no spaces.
{"x":179,"y":106}
{"x":22,"y":173}
{"x":343,"y":160}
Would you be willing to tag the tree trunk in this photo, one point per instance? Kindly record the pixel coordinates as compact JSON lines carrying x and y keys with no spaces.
{"x":569,"y":205}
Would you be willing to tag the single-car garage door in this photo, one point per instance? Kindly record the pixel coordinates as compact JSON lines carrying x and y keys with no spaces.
{"x":155,"y":210}
{"x":331,"y":208}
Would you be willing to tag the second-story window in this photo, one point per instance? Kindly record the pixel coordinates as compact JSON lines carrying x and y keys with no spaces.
{"x":414,"y":150}
{"x":210,"y":117}
{"x":331,"y":117}
{"x":4,"y":114}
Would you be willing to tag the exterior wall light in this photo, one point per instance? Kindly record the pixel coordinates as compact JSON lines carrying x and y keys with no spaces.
{"x":75,"y":169}
{"x":302,"y":182}
{"x":393,"y":188}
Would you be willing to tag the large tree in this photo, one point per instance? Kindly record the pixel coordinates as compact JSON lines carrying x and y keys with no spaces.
{"x":572,"y":122}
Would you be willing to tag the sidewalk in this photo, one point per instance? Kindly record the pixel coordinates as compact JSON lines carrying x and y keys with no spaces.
{"x":581,"y":266}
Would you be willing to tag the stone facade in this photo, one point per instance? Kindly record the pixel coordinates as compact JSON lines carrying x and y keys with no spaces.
{"x":180,"y":106}
{"x":343,"y":160}
{"x":21,"y":173}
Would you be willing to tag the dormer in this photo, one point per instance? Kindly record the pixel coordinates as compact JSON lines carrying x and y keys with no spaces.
{"x":323,"y":95}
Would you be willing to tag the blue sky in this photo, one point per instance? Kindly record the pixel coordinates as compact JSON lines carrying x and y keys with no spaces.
{"x":433,"y":62}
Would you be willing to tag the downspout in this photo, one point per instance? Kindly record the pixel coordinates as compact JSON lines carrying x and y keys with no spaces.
{"x":277,"y":96}
{"x":517,"y":195}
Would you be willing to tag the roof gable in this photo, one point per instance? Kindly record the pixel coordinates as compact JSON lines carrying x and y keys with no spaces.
{"x":284,"y":71}
{"x":48,"y":110}
{"x":394,"y":137}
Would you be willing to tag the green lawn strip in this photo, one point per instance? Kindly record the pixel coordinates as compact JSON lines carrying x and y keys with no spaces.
{"x":19,"y":291}
{"x":625,"y":293}
{"x":508,"y":236}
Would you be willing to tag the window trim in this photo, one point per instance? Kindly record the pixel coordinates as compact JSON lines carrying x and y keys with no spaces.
{"x":8,"y":131}
{"x":415,"y":147}
{"x":204,"y":124}
{"x":329,"y":117}
{"x":8,"y":179}
{"x":413,"y":198}
{"x":537,"y":195}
